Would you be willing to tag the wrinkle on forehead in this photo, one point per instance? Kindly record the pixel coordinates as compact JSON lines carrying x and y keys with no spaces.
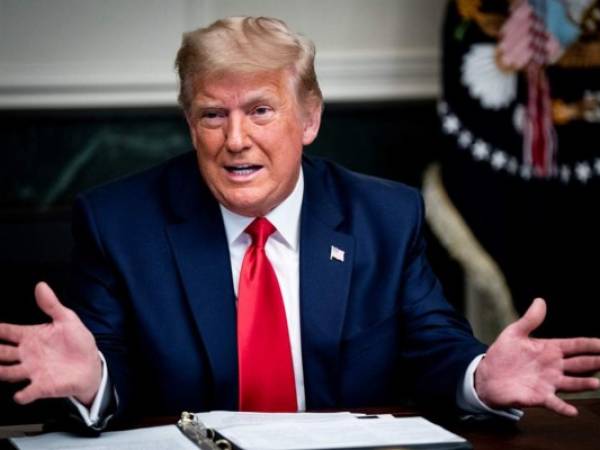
{"x":234,"y":88}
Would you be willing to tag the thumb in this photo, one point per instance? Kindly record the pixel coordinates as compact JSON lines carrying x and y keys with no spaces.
{"x":533,"y":317}
{"x":48,"y":301}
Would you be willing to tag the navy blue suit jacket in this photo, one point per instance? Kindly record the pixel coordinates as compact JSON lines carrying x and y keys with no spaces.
{"x":152,"y":281}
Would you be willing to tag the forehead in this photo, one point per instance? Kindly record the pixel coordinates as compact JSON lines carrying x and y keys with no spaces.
{"x":245,"y":87}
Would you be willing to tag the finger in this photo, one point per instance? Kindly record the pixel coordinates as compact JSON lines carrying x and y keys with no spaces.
{"x":533,"y":318}
{"x":575,"y":346}
{"x":579,"y":364}
{"x":577,"y":384}
{"x":13,"y":373}
{"x":9,"y":354}
{"x":48,"y":302}
{"x":28,"y":394}
{"x":11,"y":333}
{"x":558,"y":405}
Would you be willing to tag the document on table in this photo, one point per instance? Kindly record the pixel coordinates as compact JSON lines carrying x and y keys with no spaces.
{"x":264,"y":431}
{"x":256,"y":431}
{"x":155,"y":438}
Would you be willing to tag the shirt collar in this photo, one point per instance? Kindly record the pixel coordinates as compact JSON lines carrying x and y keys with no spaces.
{"x":285,"y":218}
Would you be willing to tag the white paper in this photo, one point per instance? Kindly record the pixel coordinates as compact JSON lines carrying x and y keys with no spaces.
{"x":321,"y":431}
{"x":257,"y":431}
{"x":220,"y":420}
{"x":154,"y":438}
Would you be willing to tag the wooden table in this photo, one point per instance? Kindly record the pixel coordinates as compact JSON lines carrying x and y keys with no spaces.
{"x":538,"y":429}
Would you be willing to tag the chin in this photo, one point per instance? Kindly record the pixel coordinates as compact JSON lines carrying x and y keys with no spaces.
{"x":250,"y":204}
{"x":245,"y":208}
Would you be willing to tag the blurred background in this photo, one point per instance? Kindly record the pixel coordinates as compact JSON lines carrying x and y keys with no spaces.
{"x":88,"y":94}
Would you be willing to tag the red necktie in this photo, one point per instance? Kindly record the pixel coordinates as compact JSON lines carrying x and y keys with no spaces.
{"x":266,"y":373}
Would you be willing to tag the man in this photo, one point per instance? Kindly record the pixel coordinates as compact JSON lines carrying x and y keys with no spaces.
{"x":330,"y":303}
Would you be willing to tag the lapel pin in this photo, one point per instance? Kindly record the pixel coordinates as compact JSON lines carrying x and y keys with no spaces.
{"x":337,"y":254}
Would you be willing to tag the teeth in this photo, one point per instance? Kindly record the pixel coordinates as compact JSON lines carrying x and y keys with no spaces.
{"x":245,"y":169}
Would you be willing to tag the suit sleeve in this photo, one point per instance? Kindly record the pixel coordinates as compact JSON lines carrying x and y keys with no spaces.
{"x":438,"y":344}
{"x":98,"y":296}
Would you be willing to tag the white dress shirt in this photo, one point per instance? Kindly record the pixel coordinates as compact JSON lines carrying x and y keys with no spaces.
{"x":282,"y":249}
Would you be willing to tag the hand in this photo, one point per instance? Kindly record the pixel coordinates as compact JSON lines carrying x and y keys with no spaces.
{"x":521,"y":371}
{"x":59,"y":358}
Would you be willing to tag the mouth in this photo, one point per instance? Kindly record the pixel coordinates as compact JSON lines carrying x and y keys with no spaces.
{"x":243,"y":171}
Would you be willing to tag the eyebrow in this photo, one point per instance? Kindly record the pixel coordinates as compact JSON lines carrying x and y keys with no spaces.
{"x":264,"y":95}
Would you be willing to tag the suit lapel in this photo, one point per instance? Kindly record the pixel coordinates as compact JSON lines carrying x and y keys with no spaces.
{"x":202,"y":254}
{"x":200,"y":247}
{"x":324,"y":288}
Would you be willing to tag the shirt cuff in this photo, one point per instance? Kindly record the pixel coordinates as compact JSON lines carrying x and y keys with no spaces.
{"x":469,"y":401}
{"x":92,"y":416}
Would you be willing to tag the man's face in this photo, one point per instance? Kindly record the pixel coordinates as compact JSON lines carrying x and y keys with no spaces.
{"x":248,"y":131}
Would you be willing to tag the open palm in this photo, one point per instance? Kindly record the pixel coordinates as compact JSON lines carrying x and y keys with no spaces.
{"x":519,"y":370}
{"x":59,"y":358}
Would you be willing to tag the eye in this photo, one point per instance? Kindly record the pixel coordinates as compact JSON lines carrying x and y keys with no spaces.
{"x":262,"y":113}
{"x":261,"y":110}
{"x":212,"y":117}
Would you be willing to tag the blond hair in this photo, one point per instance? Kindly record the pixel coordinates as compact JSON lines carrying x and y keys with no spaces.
{"x":246,"y":45}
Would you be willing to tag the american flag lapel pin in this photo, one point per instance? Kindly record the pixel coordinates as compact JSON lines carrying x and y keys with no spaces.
{"x":336,"y":254}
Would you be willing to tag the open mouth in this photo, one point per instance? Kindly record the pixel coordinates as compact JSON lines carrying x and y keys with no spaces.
{"x":243,"y":169}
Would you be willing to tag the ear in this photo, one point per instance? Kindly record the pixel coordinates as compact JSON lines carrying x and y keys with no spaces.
{"x":312,"y":123}
{"x":190,"y":121}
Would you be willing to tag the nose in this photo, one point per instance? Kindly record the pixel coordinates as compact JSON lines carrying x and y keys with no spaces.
{"x":236,"y":136}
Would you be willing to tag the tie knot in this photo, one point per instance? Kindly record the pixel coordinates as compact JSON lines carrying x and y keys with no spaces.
{"x":260,"y":230}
